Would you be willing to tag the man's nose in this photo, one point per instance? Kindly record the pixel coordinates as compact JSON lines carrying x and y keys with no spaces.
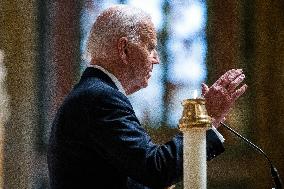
{"x":156,"y":59}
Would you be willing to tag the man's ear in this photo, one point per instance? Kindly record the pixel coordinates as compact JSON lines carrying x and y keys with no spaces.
{"x":122,"y":49}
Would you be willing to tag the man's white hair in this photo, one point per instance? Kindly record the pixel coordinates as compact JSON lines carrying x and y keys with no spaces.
{"x":113,"y":23}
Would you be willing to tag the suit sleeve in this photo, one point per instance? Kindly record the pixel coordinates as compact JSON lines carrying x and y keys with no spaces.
{"x":114,"y":128}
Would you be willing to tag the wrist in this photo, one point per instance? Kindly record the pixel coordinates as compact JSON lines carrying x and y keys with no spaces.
{"x":215,"y":123}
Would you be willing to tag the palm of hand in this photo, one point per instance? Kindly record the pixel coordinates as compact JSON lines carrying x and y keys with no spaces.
{"x":221,"y":96}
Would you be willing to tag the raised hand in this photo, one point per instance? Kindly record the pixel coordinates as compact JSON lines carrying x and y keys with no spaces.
{"x":221,"y":96}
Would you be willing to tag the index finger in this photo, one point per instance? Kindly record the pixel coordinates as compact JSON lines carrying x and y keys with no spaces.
{"x":239,"y":92}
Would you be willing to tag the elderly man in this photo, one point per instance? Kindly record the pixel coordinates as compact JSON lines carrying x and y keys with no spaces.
{"x":96,"y":140}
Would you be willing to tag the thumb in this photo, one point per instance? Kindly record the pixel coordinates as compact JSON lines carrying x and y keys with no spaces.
{"x":204,"y":89}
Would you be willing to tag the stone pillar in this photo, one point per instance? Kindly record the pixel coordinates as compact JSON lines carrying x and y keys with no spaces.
{"x":62,"y":50}
{"x":42,"y":65}
{"x":225,"y":43}
{"x":18,"y":40}
{"x":268,"y":82}
{"x":4,"y":113}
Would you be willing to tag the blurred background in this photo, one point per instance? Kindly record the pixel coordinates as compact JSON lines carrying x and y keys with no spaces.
{"x":42,"y":43}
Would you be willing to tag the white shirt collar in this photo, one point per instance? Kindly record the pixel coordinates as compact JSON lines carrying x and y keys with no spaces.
{"x":113,"y":78}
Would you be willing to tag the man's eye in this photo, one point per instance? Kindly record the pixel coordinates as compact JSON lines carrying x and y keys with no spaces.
{"x":151,"y":48}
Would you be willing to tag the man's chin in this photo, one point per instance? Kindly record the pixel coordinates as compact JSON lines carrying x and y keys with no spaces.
{"x":139,"y":87}
{"x":145,"y":83}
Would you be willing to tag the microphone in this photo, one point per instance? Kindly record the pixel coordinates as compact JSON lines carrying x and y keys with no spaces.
{"x":274,"y":173}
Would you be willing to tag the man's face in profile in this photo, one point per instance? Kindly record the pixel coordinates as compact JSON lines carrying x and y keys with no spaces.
{"x":143,"y":55}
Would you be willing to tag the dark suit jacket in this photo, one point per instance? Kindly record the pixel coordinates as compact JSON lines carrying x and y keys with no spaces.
{"x":97,"y":142}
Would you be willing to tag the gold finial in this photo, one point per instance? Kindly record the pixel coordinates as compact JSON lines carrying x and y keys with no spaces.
{"x":194,"y":114}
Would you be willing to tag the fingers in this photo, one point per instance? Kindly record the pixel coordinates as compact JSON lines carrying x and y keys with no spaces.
{"x":221,"y":96}
{"x":235,"y":83}
{"x":228,"y":77}
{"x":239,"y":92}
{"x":204,"y":89}
{"x":230,"y":81}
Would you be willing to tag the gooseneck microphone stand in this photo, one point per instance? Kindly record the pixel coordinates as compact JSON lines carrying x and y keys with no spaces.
{"x":276,"y":177}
